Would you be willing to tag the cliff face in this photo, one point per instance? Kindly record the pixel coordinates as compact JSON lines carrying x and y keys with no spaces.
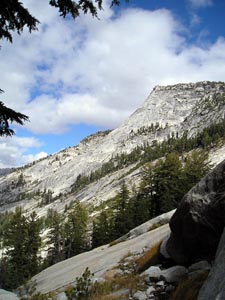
{"x":198,"y":223}
{"x":168,"y":109}
{"x":214,"y":286}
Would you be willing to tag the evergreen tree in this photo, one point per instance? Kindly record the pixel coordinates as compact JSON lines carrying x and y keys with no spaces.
{"x":16,"y":256}
{"x":139,"y":207}
{"x":33,"y":243}
{"x":167,"y":183}
{"x":122,"y":216}
{"x":22,"y":241}
{"x":145,"y":193}
{"x":7,"y":116}
{"x":196,"y":166}
{"x":55,"y":240}
{"x":101,"y":233}
{"x":76,"y":240}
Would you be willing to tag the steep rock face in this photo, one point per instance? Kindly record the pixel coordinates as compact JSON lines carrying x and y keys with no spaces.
{"x":168,"y":109}
{"x":197,"y":224}
{"x":214,"y":286}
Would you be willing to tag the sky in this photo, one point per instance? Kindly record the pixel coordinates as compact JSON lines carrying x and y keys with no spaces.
{"x":74,"y":78}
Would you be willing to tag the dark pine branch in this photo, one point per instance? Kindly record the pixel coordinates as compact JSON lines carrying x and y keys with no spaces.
{"x":7,"y":116}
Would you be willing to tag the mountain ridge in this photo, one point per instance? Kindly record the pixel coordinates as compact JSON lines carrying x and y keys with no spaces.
{"x":168,"y":109}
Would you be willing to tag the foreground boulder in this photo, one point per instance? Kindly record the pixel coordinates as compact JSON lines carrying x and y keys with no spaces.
{"x":174,"y":274}
{"x":214,"y":286}
{"x":5,"y":295}
{"x":197,"y":224}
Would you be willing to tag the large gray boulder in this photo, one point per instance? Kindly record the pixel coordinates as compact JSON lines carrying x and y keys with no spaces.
{"x":174,"y":274}
{"x":214,"y":286}
{"x":153,"y":273}
{"x":197,"y":224}
{"x":5,"y":295}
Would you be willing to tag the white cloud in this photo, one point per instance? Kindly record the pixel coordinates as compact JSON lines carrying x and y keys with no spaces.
{"x":56,"y":116}
{"x":99,"y":72}
{"x":13,"y":151}
{"x":32,"y":157}
{"x":201,"y":3}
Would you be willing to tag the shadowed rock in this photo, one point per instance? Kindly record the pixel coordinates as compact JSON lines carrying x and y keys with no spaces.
{"x":197,"y":225}
{"x":174,"y":274}
{"x":214,"y":286}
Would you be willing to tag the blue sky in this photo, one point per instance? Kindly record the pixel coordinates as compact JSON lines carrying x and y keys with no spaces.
{"x":75,"y":78}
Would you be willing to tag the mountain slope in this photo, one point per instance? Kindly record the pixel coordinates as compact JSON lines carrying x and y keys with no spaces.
{"x":98,"y":260}
{"x":176,"y":108}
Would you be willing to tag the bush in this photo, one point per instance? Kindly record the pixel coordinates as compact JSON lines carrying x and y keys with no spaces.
{"x":82,"y":289}
{"x":150,"y":258}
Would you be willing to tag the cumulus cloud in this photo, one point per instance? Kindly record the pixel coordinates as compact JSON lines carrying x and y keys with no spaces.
{"x":98,"y":72}
{"x":57,"y":115}
{"x":13,"y":151}
{"x":70,"y":73}
{"x":32,"y":157}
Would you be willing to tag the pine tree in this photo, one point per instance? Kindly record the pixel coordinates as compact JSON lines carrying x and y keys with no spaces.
{"x":139,"y":207}
{"x":146,"y":190}
{"x":196,"y":167}
{"x":76,"y":240}
{"x":122,"y":216}
{"x":55,"y":240}
{"x":33,"y":243}
{"x":7,"y":116}
{"x":22,"y":241}
{"x":101,"y":233}
{"x":14,"y":238}
{"x":168,"y":184}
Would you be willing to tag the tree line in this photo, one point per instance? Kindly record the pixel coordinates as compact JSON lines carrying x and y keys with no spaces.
{"x":150,"y":152}
{"x":162,"y":187}
{"x":21,"y":242}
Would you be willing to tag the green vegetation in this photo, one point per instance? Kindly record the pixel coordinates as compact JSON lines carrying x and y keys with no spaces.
{"x":209,"y":137}
{"x":150,"y":258}
{"x":21,"y":241}
{"x":67,"y":237}
{"x":82,"y":289}
{"x":28,"y":292}
{"x":7,"y":115}
{"x":163,"y":186}
{"x":85,"y":288}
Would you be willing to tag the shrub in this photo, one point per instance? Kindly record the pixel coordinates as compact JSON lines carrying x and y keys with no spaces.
{"x":157,"y":225}
{"x":114,"y":242}
{"x":150,"y":258}
{"x":82,"y":289}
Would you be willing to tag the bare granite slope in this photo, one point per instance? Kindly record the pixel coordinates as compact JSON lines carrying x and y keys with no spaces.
{"x":168,"y":109}
{"x":98,"y":261}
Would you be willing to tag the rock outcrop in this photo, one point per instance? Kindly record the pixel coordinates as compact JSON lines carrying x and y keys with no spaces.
{"x":99,"y":261}
{"x":176,"y":108}
{"x":214,"y":286}
{"x":5,"y":295}
{"x":198,"y":223}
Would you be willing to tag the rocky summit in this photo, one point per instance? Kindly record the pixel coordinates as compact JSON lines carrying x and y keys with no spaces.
{"x":168,"y":109}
